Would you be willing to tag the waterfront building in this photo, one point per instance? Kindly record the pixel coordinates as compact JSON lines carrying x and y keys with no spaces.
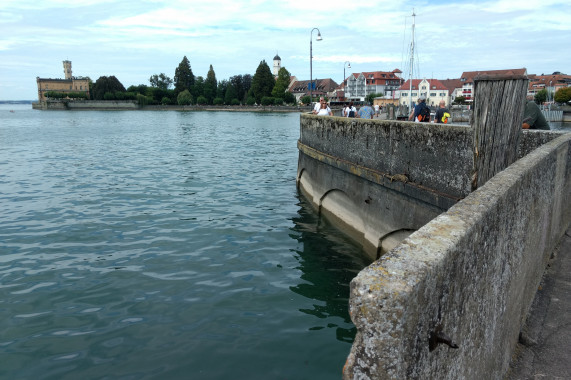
{"x":432,"y":89}
{"x":454,"y":87}
{"x":551,"y":83}
{"x":467,"y":79}
{"x":321,"y":87}
{"x":359,"y":85}
{"x":66,"y":85}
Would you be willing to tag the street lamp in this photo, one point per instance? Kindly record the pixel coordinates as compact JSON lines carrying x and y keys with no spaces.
{"x":344,"y":77}
{"x":310,"y":63}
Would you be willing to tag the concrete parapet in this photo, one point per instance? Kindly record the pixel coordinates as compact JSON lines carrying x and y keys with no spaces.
{"x":436,"y":156}
{"x":467,"y":277}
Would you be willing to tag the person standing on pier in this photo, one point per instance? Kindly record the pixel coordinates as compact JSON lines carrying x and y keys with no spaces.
{"x":421,"y":112}
{"x":442,"y":113}
{"x":322,"y":109}
{"x":366,"y":112}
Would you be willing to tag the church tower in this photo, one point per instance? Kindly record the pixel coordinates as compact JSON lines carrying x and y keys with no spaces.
{"x":277,"y":65}
{"x":67,"y":69}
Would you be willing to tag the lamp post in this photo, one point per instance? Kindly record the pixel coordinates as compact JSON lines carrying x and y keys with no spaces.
{"x":344,"y":77}
{"x":310,"y":61}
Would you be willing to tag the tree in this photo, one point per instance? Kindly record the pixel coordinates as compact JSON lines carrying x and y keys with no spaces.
{"x":140,"y":89}
{"x":210,"y":85}
{"x":372,"y":97}
{"x":263,"y":82}
{"x":160,"y":81}
{"x":231,"y":94}
{"x":198,"y":88}
{"x":563,"y":95}
{"x":460,"y":100}
{"x":106,"y":84}
{"x":289,"y":98}
{"x":282,"y":83}
{"x":221,"y":88}
{"x":183,"y":77}
{"x":541,"y":96}
{"x":184,"y":98}
{"x":305,"y":99}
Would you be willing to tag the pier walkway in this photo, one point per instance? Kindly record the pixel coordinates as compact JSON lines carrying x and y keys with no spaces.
{"x":544,"y":351}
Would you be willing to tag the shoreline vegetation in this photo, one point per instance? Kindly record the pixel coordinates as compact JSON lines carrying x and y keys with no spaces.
{"x":126,"y":105}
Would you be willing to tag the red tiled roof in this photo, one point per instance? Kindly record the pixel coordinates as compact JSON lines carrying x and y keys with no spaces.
{"x":468,"y":76}
{"x":416,"y":84}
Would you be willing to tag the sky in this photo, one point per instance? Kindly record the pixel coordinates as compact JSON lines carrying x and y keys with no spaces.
{"x":133,"y":40}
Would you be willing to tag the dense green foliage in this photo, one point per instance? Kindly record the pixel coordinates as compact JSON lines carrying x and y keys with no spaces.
{"x":184,"y":98}
{"x":305,"y":99}
{"x":62,"y":95}
{"x":106,"y":84}
{"x":541,"y":96}
{"x":563,"y":95}
{"x":282,"y":82}
{"x":210,"y":86}
{"x":460,"y":100}
{"x":183,"y":76}
{"x":160,"y":81}
{"x":188,"y":89}
{"x":263,"y":82}
{"x":372,"y":97}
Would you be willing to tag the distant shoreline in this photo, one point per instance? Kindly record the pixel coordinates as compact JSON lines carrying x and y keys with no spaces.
{"x":128,"y":105}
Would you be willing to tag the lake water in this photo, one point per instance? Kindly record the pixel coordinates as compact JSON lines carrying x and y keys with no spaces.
{"x":169,"y":245}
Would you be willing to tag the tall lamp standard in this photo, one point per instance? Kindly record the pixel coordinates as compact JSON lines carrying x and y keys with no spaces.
{"x":344,"y":77}
{"x":310,"y":59}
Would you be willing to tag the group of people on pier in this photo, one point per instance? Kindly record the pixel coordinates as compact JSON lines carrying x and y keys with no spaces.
{"x":532,"y":119}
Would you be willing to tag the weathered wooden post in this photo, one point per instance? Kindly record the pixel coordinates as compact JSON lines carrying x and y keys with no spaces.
{"x":499,"y":102}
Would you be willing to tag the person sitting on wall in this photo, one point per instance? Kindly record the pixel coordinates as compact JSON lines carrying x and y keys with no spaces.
{"x":323,"y":109}
{"x":533,"y":117}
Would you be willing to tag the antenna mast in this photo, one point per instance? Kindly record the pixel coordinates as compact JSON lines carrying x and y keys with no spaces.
{"x":411,"y":61}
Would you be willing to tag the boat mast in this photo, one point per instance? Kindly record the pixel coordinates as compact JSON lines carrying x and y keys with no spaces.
{"x":411,"y":61}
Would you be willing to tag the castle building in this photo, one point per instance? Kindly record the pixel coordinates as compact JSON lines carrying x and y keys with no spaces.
{"x":68,"y":85}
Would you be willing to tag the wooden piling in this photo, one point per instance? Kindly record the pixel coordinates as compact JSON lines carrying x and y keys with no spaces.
{"x":499,"y":103}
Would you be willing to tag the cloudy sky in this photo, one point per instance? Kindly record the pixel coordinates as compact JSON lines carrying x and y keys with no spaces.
{"x":136,"y":39}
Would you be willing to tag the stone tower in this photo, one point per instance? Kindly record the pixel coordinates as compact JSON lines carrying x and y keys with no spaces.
{"x":277,"y":65}
{"x":67,"y":69}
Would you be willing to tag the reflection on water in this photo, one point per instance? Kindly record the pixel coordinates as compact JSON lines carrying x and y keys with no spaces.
{"x":328,"y":264}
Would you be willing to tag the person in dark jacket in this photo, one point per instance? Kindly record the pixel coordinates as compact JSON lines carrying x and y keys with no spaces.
{"x":418,"y":110}
{"x":533,"y":118}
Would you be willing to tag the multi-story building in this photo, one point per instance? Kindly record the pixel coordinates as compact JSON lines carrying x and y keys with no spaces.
{"x":432,"y":89}
{"x":322,"y":87}
{"x":467,"y":79}
{"x":67,"y":85}
{"x":551,"y":83}
{"x":359,"y":85}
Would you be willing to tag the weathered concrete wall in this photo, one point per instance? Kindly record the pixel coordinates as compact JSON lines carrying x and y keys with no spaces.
{"x":381,"y":180}
{"x":471,"y":273}
{"x":433,"y":156}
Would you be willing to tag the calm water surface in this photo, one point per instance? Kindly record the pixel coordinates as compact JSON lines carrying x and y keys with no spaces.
{"x":165,"y":245}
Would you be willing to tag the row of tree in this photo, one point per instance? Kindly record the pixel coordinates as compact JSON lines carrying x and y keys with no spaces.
{"x":186,"y":89}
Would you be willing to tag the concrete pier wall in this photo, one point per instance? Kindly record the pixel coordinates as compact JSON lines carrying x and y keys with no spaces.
{"x":382,"y":180}
{"x":470,"y":263}
{"x":470,"y":274}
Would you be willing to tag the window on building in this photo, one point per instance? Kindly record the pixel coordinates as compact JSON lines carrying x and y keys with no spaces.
{"x":404,"y":94}
{"x":433,"y":94}
{"x":424,"y":87}
{"x":414,"y":94}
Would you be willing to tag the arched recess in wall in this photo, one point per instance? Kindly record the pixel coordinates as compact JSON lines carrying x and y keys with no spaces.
{"x":337,"y":207}
{"x":392,"y":239}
